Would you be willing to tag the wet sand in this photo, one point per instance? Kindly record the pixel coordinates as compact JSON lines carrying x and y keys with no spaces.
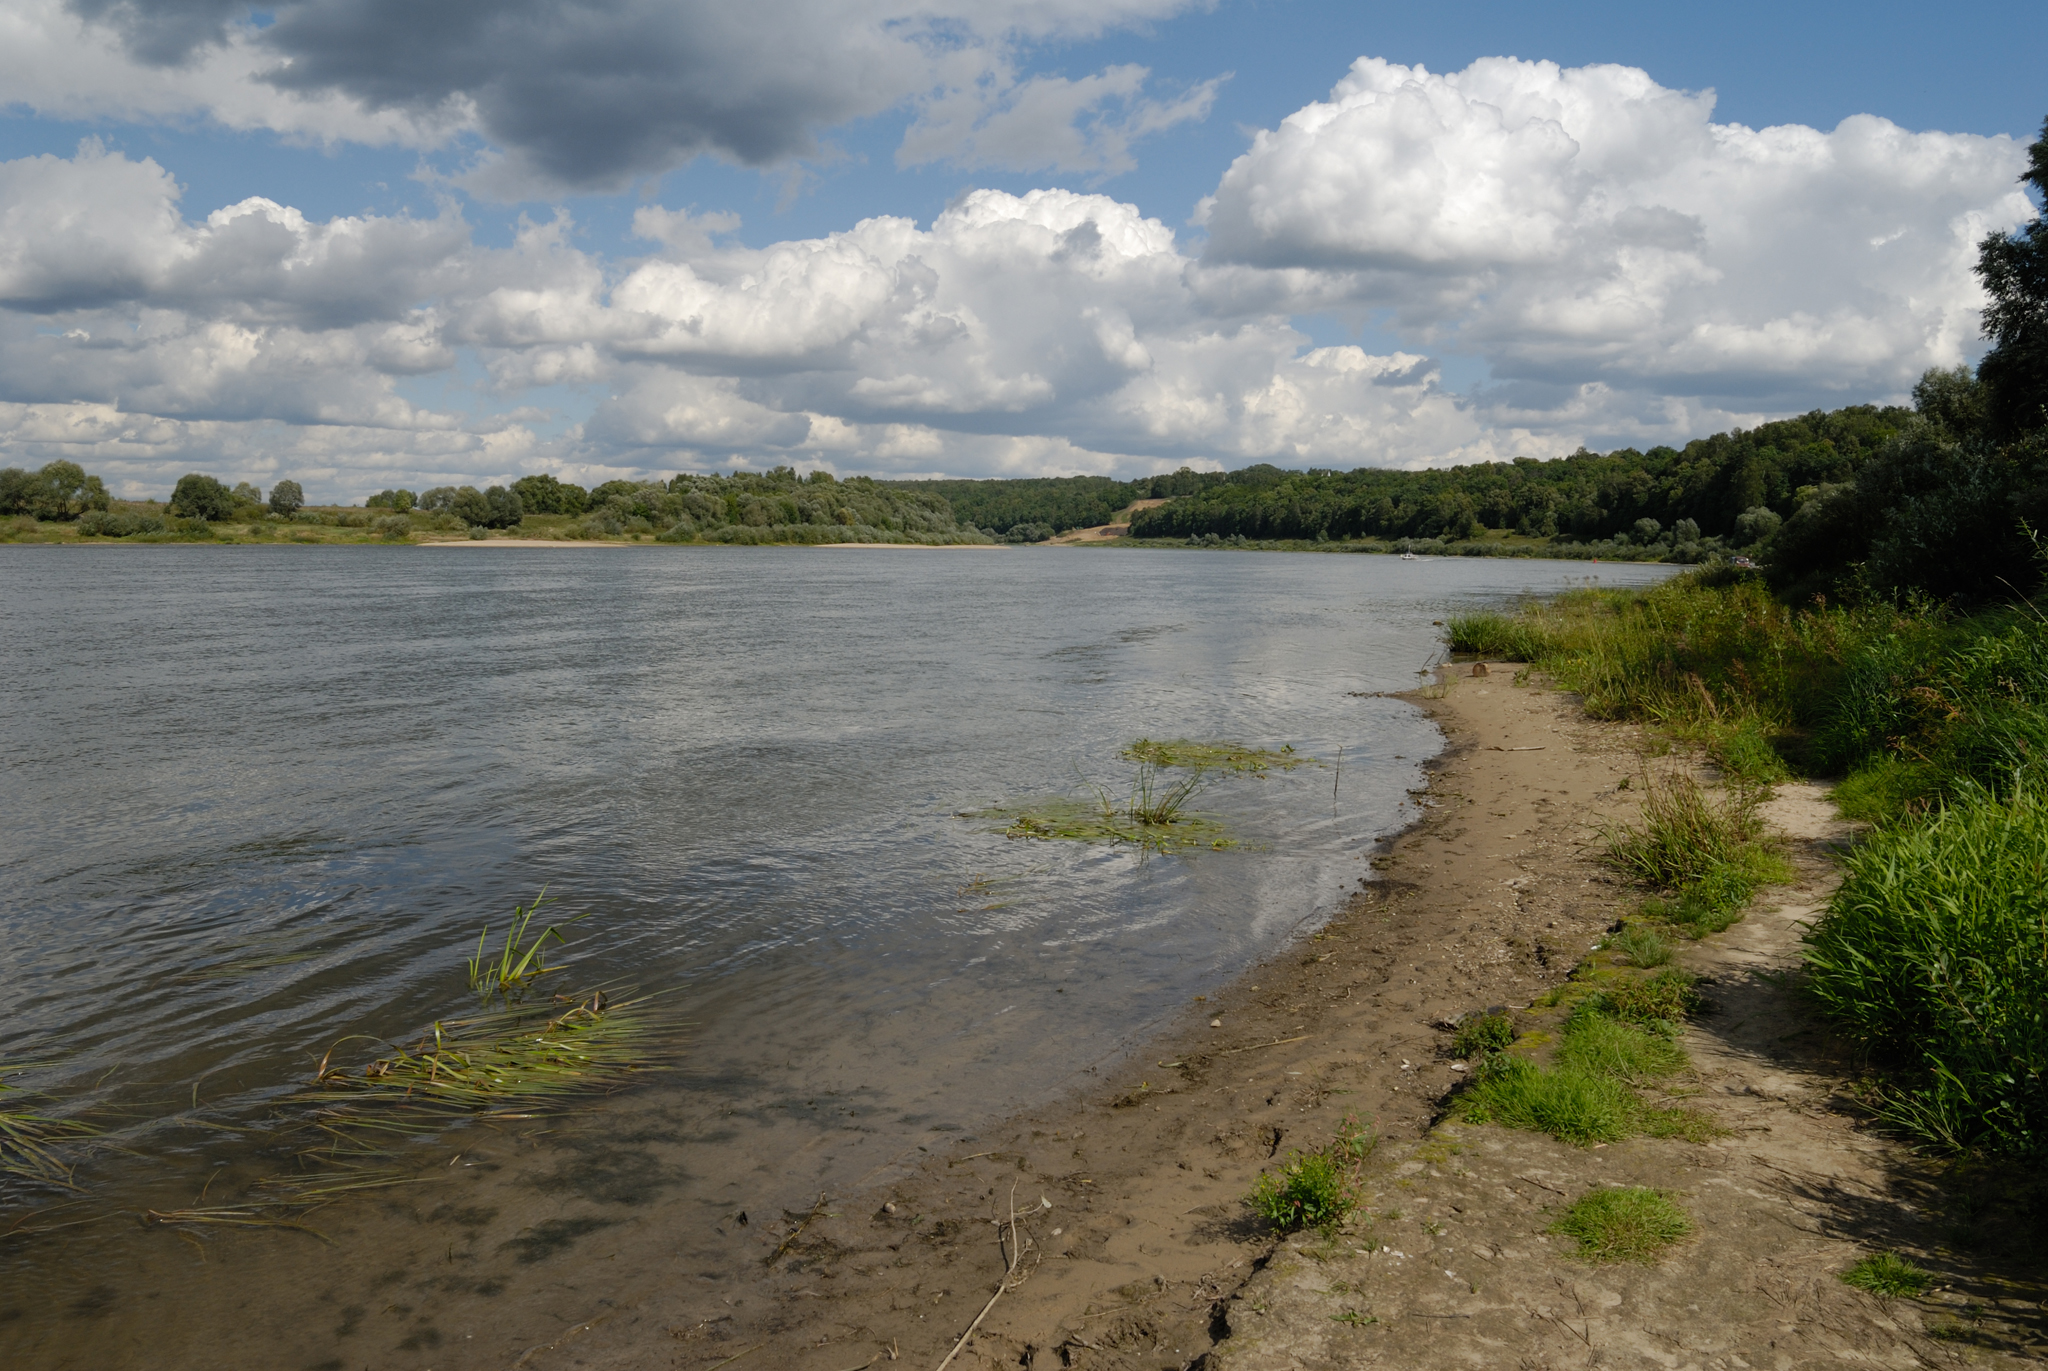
{"x":1128,"y":1192}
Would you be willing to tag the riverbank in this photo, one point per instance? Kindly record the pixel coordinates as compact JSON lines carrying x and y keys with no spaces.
{"x":1130,"y":1192}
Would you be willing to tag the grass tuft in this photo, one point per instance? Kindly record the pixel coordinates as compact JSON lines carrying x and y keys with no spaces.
{"x":1667,"y":997}
{"x":1627,"y":1224}
{"x":1601,"y":1046}
{"x":1320,"y":1189}
{"x":1482,"y":1034}
{"x":1889,"y":1275}
{"x":1642,"y":946}
{"x":1572,"y":1106}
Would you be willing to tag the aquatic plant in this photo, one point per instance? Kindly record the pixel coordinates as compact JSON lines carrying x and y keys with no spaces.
{"x":30,"y":1141}
{"x":520,"y":963}
{"x":1155,"y":816}
{"x":1216,"y":756}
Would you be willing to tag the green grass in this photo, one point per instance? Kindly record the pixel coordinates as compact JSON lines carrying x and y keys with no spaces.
{"x":1711,"y":857}
{"x":1597,"y":1045}
{"x":1934,"y":950}
{"x":1889,"y":1275}
{"x":1572,"y":1106}
{"x":1215,"y":756}
{"x":1481,"y":1034}
{"x":1625,"y":1224}
{"x":1641,"y":946}
{"x":1667,"y":997}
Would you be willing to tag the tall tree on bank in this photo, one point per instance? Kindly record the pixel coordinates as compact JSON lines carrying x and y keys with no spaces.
{"x":2014,"y":269}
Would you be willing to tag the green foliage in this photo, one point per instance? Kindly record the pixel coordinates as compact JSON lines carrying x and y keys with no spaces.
{"x":544,"y":494}
{"x":496,"y":507}
{"x":1888,"y":1275}
{"x":779,"y":506}
{"x":1310,"y":1190}
{"x":202,"y":497}
{"x":1481,"y":1034}
{"x":1624,"y":1223}
{"x":1934,"y":950}
{"x":393,"y":526}
{"x":1036,"y":508}
{"x":58,"y":493}
{"x":32,"y":1143}
{"x":398,"y":501}
{"x":2014,"y":270}
{"x":286,"y":498}
{"x":118,"y":523}
{"x":1586,"y":496}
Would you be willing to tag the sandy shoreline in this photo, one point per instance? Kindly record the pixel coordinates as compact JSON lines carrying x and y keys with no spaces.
{"x":1134,"y":1182}
{"x":1139,"y":1251}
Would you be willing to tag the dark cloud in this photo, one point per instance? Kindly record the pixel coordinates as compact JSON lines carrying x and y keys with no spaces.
{"x":162,"y":32}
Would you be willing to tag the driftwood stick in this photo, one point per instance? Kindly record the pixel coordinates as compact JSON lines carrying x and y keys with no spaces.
{"x":1016,"y":1256}
{"x":796,"y":1232}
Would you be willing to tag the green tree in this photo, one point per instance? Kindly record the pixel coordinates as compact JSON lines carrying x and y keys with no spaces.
{"x":286,"y":499}
{"x":202,"y":497}
{"x":1951,"y":399}
{"x":397,"y":500}
{"x":61,"y":491}
{"x":246,"y":494}
{"x":2014,"y":269}
{"x":496,"y":507}
{"x":543,"y":494}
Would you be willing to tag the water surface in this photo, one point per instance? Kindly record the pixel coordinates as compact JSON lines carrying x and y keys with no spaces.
{"x":259,"y":798}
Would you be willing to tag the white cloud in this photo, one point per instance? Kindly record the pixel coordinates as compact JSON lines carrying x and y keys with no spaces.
{"x":1572,"y":224}
{"x":1049,"y":122}
{"x":1630,"y":271}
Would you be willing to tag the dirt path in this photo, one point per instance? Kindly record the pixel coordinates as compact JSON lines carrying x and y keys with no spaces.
{"x":1138,"y":1250}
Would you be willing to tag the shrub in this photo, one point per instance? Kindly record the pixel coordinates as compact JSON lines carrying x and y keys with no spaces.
{"x":1628,"y":1223}
{"x":393,"y":526}
{"x":1932,"y":952}
{"x":286,"y":499}
{"x":1482,"y":1034}
{"x":122,"y":523}
{"x":201,"y":497}
{"x":1889,"y":1275}
{"x":1310,"y":1190}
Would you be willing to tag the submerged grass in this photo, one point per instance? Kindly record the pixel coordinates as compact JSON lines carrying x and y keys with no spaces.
{"x":1155,"y":816}
{"x":1216,"y":756}
{"x":34,"y":1145}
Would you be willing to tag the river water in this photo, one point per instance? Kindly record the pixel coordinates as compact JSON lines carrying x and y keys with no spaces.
{"x":257,"y":799}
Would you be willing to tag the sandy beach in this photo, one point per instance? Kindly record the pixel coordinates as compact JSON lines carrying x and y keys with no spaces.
{"x":1139,"y":1252}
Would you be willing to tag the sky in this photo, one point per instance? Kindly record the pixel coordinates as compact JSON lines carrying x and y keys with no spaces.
{"x":367,"y":244}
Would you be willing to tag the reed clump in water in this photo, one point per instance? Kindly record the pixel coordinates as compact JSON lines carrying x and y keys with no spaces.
{"x":520,"y":962}
{"x":33,"y":1144}
{"x":1155,"y":816}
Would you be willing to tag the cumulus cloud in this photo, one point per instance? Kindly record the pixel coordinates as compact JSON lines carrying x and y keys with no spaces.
{"x":1630,"y":270}
{"x":1049,"y":122}
{"x":587,"y":94}
{"x":1572,"y":225}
